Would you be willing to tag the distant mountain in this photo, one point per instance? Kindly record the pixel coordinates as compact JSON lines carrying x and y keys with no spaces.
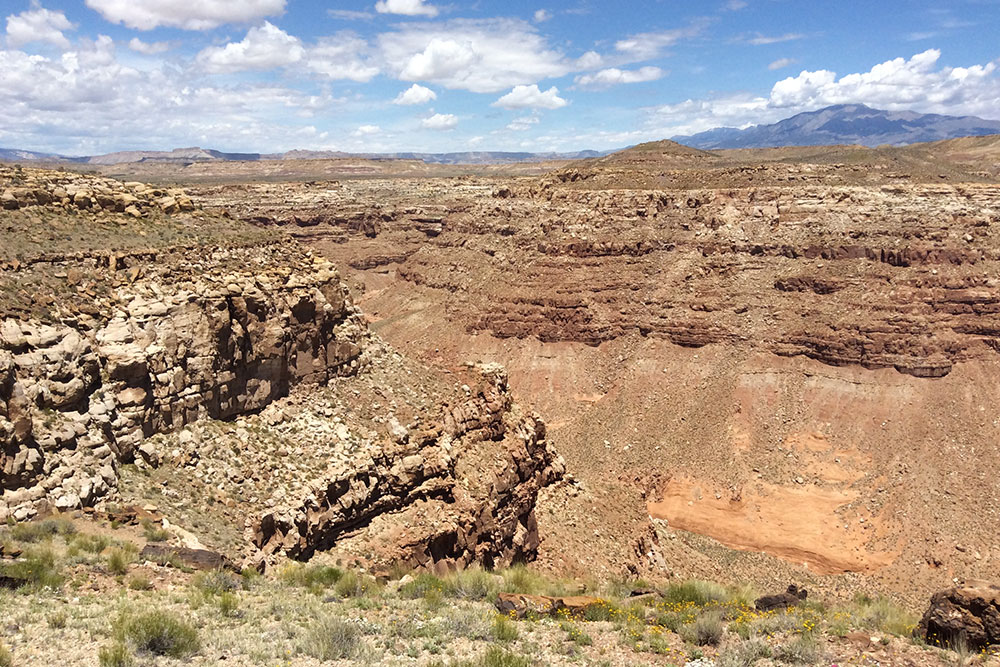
{"x":18,"y":155}
{"x":184,"y":156}
{"x":845,"y":124}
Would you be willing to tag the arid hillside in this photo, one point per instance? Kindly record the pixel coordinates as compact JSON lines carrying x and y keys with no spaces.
{"x":757,"y":364}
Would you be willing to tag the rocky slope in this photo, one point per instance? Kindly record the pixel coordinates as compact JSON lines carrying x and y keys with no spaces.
{"x":121,"y":343}
{"x":763,"y":356}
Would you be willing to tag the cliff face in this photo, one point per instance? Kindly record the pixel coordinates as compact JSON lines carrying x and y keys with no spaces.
{"x":79,"y":399}
{"x":463,"y":488}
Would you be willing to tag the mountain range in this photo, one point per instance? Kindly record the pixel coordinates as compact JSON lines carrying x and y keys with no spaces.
{"x":845,"y":124}
{"x":841,"y":124}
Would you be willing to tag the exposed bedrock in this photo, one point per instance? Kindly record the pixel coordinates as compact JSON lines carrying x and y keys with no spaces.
{"x":77,"y":399}
{"x":459,"y":491}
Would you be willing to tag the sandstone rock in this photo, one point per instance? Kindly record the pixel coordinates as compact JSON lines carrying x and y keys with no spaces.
{"x":519,"y":605}
{"x":968,"y":614}
{"x":790,"y":598}
{"x":199,"y":559}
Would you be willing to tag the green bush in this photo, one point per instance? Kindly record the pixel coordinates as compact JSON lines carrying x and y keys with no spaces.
{"x":229,"y":604}
{"x":421,"y":585}
{"x":744,"y":654}
{"x":504,"y":629}
{"x":57,"y":620}
{"x":498,"y":657}
{"x":37,"y":531}
{"x":803,"y":650}
{"x":698,"y":592}
{"x":115,"y":655}
{"x":330,"y":638}
{"x":575,"y":634}
{"x":216,"y":582}
{"x":706,"y":630}
{"x":352,"y":584}
{"x":37,"y":566}
{"x":314,"y":577}
{"x":118,"y":561}
{"x":153,"y":532}
{"x":139,"y":582}
{"x":157,"y":632}
{"x":472,"y":584}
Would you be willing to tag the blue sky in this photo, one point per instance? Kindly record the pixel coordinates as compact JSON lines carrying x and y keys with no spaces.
{"x":94,"y":76}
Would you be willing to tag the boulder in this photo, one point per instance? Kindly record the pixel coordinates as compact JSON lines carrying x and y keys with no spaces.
{"x":967,"y":615}
{"x":790,"y":598}
{"x":198,"y":559}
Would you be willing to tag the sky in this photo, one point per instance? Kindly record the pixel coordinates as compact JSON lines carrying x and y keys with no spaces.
{"x":85,"y":77}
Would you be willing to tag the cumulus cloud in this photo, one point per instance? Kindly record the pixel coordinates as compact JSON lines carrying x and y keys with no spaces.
{"x":148,"y":48}
{"x":200,"y":15}
{"x":366,"y":130}
{"x":781,"y":63}
{"x":736,"y":5}
{"x":38,"y":25}
{"x":349,"y":15}
{"x":406,"y":7}
{"x":265,"y":47}
{"x":415,"y":94}
{"x":86,"y":101}
{"x":440,"y":121}
{"x":542,"y":15}
{"x":531,"y":97}
{"x":614,"y":76}
{"x":917,"y":83}
{"x":479,"y":55}
{"x":341,"y":56}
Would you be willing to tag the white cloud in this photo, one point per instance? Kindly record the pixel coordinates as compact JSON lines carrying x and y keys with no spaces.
{"x":896,"y":85}
{"x":482,"y":56}
{"x":647,"y":45}
{"x":406,"y":7}
{"x":762,"y":40}
{"x":523,"y":123}
{"x":531,"y":97}
{"x":366,"y":130}
{"x":265,"y":47}
{"x":781,"y":63}
{"x":736,"y":5}
{"x":38,"y":25}
{"x":415,"y":94}
{"x":614,"y":76}
{"x":186,"y":14}
{"x":589,"y":60}
{"x":349,"y":15}
{"x":542,"y":15}
{"x":440,"y":121}
{"x":148,"y":48}
{"x":341,"y":56}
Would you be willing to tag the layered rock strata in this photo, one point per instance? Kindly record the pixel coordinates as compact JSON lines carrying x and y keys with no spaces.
{"x":79,"y":398}
{"x":459,"y":491}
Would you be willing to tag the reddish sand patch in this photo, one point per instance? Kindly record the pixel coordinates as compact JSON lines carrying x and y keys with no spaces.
{"x":804,"y":524}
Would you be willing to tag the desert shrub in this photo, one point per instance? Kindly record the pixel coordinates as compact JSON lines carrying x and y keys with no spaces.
{"x":94,"y":544}
{"x":6,"y":659}
{"x":353,"y":584}
{"x":498,"y":657}
{"x":575,"y":634}
{"x":118,"y":561}
{"x":803,"y":650}
{"x":57,"y":620}
{"x":153,"y":532}
{"x":421,"y":585}
{"x":605,"y":610}
{"x":697,"y":592}
{"x":139,"y":582}
{"x":38,"y":567}
{"x":216,"y":582}
{"x":157,"y":632}
{"x":115,"y":655}
{"x":744,"y":654}
{"x":314,"y":577}
{"x":504,"y":629}
{"x":229,"y":604}
{"x":330,"y":638}
{"x":883,"y":615}
{"x":37,"y":531}
{"x":520,"y":579}
{"x":706,"y":630}
{"x":472,"y":584}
